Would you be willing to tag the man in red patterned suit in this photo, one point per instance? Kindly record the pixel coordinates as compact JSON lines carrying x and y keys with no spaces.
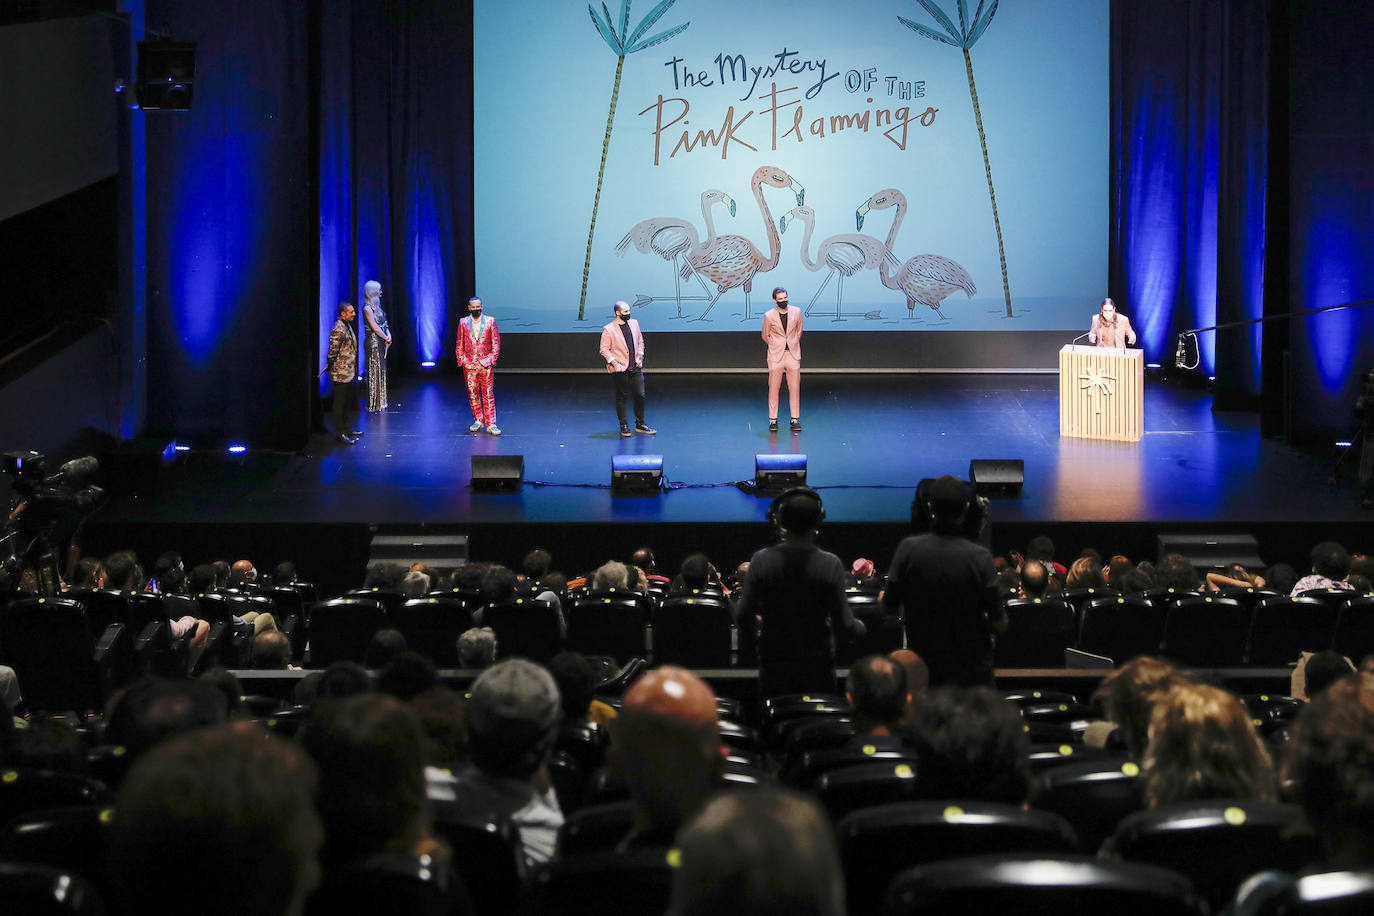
{"x":479,"y":346}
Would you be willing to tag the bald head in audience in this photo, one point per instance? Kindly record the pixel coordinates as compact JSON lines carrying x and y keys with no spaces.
{"x":666,"y":746}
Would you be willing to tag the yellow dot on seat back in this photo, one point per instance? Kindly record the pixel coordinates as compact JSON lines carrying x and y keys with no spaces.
{"x":806,"y":699}
{"x":1130,"y":768}
{"x":952,"y":812}
{"x":10,"y":776}
{"x":869,"y":750}
{"x":1036,"y":694}
{"x":1257,"y":722}
{"x":1264,"y":698}
{"x":902,"y":771}
{"x":1066,"y":750}
{"x":1234,"y":816}
{"x":1063,"y":708}
{"x":674,"y":858}
{"x":107,"y":815}
{"x":120,"y":750}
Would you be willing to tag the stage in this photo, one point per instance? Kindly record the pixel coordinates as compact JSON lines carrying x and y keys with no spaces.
{"x":868,"y":440}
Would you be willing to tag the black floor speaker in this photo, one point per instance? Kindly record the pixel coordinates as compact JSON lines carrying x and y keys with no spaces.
{"x":497,"y":472}
{"x":997,"y":476}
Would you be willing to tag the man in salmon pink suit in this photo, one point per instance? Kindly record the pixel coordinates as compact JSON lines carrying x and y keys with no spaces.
{"x":622,"y":349}
{"x":479,"y":346}
{"x":782,"y":331}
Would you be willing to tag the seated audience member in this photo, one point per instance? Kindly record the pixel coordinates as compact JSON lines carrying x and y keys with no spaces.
{"x":369,"y":751}
{"x":220,"y":821}
{"x":863,"y":576}
{"x":152,"y":709}
{"x":535,"y":566}
{"x":1177,"y":572}
{"x":343,"y":678}
{"x":764,"y":852}
{"x":1127,"y":697}
{"x":972,"y":744}
{"x":1234,"y":576}
{"x":243,"y":575}
{"x":1202,"y":747}
{"x":306,"y":691}
{"x":512,"y":721}
{"x":10,"y":694}
{"x":1008,"y":583}
{"x":415,"y":584}
{"x":201,"y":580}
{"x":443,"y":718}
{"x":1137,"y":580}
{"x":272,"y":652}
{"x":917,"y":678}
{"x":1116,"y":568}
{"x":1281,"y":578}
{"x":643,"y":558}
{"x":1330,"y":566}
{"x":90,"y":573}
{"x":384,"y":576}
{"x":284,"y":573}
{"x":612,"y":574}
{"x":1321,"y":670}
{"x":1329,"y":764}
{"x":385,"y":645}
{"x":1035,"y":579}
{"x":1041,"y":548}
{"x":468,"y":577}
{"x":222,"y":570}
{"x":877,"y":690}
{"x":407,"y":675}
{"x":228,"y":688}
{"x":499,"y":586}
{"x":169,"y":574}
{"x":477,"y":648}
{"x":696,"y":573}
{"x":577,"y":689}
{"x":638,"y":579}
{"x":1085,"y":573}
{"x":123,"y":572}
{"x":666,"y":745}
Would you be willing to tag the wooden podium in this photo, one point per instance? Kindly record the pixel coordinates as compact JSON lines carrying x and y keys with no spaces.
{"x":1101,"y":393}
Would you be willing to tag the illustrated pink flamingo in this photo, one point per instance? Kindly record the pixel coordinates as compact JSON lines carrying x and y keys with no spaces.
{"x":732,"y":260}
{"x":670,"y":237}
{"x":845,"y":254}
{"x":927,"y":278}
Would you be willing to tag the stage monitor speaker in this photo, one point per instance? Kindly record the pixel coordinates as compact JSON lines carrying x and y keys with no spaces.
{"x":775,"y":473}
{"x":497,"y":472}
{"x":638,"y":474}
{"x":997,"y":476}
{"x":166,"y":75}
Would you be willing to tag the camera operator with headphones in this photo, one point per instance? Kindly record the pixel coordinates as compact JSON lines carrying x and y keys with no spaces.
{"x":796,"y":592}
{"x":947,"y":587}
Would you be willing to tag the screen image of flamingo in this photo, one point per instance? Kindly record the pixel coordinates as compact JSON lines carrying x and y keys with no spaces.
{"x":895,"y":165}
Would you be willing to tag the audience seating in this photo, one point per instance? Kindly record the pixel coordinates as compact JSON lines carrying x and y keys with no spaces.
{"x":1042,"y":884}
{"x":778,"y":718}
{"x":595,"y":827}
{"x":525,"y":627}
{"x":59,"y":664}
{"x":797,"y":736}
{"x":1037,"y":697}
{"x":693,"y":631}
{"x":74,"y":838}
{"x":1355,"y":628}
{"x":1202,"y":630}
{"x":1078,"y":598}
{"x":808,"y":768}
{"x":485,"y":855}
{"x":585,"y":742}
{"x":844,"y":791}
{"x":877,"y":843}
{"x":740,"y":737}
{"x":1246,"y":596}
{"x":569,"y":780}
{"x":1282,"y":628}
{"x":388,"y":599}
{"x":1121,"y":627}
{"x":602,"y":883}
{"x":38,"y":890}
{"x":1038,"y":631}
{"x":341,"y":628}
{"x":24,"y":790}
{"x":610,"y":623}
{"x":1047,"y":756}
{"x":884,"y":632}
{"x":1217,"y":844}
{"x":1331,"y":893}
{"x":432,"y":626}
{"x":390,"y":883}
{"x":1093,"y":797}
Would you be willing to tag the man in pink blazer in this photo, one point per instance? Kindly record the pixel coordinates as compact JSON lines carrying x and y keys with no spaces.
{"x":619,"y":340}
{"x":479,"y":346}
{"x":782,"y":330}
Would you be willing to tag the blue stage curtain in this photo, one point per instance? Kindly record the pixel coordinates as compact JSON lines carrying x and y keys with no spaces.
{"x":395,"y":158}
{"x":1189,"y":90}
{"x":229,"y":230}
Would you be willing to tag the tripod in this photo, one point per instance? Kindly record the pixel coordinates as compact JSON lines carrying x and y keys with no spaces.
{"x":1363,"y":441}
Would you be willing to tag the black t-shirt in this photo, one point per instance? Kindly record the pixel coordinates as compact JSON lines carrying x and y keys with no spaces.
{"x":629,"y":344}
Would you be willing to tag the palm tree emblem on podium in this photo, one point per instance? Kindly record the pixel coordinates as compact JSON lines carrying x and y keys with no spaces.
{"x":1097,"y":382}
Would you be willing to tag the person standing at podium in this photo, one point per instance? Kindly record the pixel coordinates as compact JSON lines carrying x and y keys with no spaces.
{"x":1110,"y":328}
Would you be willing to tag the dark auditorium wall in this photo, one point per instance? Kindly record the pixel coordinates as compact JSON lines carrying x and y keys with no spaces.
{"x":231,"y":230}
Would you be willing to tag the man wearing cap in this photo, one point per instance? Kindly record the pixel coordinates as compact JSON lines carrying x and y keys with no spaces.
{"x":512,"y":720}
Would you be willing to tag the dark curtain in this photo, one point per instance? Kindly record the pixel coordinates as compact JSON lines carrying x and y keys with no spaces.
{"x":1189,"y":107}
{"x":395,"y":158}
{"x":229,"y":230}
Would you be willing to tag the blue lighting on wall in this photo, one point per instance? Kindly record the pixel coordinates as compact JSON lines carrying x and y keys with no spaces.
{"x":1154,"y":227}
{"x":428,"y":284}
{"x":1330,"y":277}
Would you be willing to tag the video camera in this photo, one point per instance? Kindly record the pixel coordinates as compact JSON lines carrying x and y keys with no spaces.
{"x":52,"y":507}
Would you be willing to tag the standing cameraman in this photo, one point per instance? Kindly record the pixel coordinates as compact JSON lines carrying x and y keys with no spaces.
{"x":1364,"y":410}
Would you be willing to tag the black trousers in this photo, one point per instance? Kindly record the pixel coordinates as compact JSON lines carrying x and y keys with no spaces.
{"x":345,"y":405}
{"x":627,"y":383}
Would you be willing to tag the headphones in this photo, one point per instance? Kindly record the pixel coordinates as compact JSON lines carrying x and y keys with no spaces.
{"x":775,"y":508}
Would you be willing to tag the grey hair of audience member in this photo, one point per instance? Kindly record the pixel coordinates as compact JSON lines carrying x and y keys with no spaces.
{"x":613,"y":574}
{"x":477,"y":648}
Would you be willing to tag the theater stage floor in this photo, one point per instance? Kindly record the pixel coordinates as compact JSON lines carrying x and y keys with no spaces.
{"x":868,"y":441}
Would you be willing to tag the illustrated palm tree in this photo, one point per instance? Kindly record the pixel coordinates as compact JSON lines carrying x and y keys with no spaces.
{"x":623,"y":43}
{"x":964,"y":37}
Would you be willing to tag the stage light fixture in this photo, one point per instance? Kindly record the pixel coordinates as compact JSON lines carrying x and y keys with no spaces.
{"x":775,"y":473}
{"x":177,"y":446}
{"x":237,"y":449}
{"x":166,"y":75}
{"x":427,"y":364}
{"x":638,"y":474}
